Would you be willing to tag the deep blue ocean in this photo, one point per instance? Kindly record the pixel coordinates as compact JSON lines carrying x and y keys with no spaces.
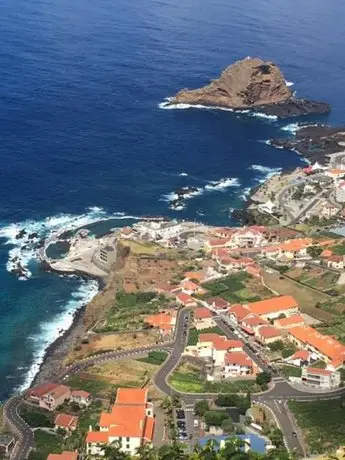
{"x":83,"y":135}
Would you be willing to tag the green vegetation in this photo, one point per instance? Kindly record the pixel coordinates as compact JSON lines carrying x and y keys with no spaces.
{"x":129,"y":310}
{"x":319,"y":364}
{"x":96,"y":387}
{"x":339,"y":249}
{"x":291,"y":371}
{"x":215,"y":417}
{"x":194,"y":334}
{"x":36,"y":417}
{"x":230,"y":400}
{"x":286,"y":348}
{"x":263,"y":378}
{"x":186,"y":382}
{"x":235,"y":289}
{"x":336,"y":329}
{"x":201,"y":407}
{"x":234,"y":386}
{"x":46,"y":443}
{"x":155,"y":357}
{"x":323,"y":423}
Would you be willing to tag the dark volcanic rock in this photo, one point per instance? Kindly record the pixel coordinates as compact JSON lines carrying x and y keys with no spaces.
{"x":21,"y":234}
{"x":251,"y":84}
{"x":314,"y":142}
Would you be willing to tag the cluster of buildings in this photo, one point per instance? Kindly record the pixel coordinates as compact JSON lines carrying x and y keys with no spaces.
{"x":130,"y":423}
{"x":50,"y":396}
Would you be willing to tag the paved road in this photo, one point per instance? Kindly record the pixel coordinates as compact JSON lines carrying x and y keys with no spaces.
{"x":20,"y":428}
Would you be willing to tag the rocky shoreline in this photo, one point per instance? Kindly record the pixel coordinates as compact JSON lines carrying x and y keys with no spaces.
{"x":255,"y":85}
{"x":314,"y":142}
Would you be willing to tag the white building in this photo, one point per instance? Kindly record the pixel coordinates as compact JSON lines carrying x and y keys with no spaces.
{"x":155,"y":230}
{"x":340,"y":192}
{"x":237,"y":363}
{"x":214,"y":347}
{"x":130,"y":423}
{"x":320,"y":378}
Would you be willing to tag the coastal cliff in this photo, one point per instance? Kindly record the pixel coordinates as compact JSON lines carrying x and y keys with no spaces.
{"x":251,"y":84}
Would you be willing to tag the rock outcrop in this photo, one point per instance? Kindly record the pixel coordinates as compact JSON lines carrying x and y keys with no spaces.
{"x":251,"y":84}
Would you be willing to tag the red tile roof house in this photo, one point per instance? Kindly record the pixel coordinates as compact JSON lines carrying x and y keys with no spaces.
{"x":274,"y":307}
{"x":237,"y":363}
{"x":290,"y":321}
{"x":66,"y":421}
{"x":186,"y":300}
{"x":130,"y":423}
{"x":299,"y":358}
{"x":81,"y":397}
{"x":163,"y":321}
{"x":268,"y":334}
{"x":251,"y":323}
{"x":66,"y":455}
{"x":335,"y":262}
{"x":50,"y":396}
{"x":217,"y":304}
{"x":237,"y":313}
{"x":203,"y":318}
{"x":215,"y":347}
{"x":189,"y":287}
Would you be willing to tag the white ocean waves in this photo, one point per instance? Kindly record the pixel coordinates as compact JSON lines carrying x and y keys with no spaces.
{"x":291,"y":128}
{"x":222,"y":184}
{"x":52,"y":330}
{"x":264,"y":172}
{"x":289,"y":83}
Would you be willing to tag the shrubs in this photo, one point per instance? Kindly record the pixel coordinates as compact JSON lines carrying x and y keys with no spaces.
{"x":239,"y":401}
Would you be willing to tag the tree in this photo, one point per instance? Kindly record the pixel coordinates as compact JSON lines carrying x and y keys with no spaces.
{"x":276,"y":437}
{"x":147,"y":452}
{"x":227,"y":426}
{"x":201,"y":407}
{"x":176,"y":401}
{"x":263,"y":378}
{"x":215,"y":417}
{"x":314,"y":251}
{"x":113,"y":452}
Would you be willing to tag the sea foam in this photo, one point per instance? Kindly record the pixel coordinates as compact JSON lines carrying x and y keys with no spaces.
{"x":52,"y":330}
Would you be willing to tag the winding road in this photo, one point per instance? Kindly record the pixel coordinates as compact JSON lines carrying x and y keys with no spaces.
{"x":274,"y":399}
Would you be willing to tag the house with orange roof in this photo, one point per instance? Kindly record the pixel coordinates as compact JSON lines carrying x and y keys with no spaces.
{"x":270,"y":252}
{"x":189,"y":287}
{"x":53,"y":398}
{"x":289,"y":321}
{"x":335,"y":173}
{"x":228,"y":263}
{"x":164,"y":321}
{"x":251,"y":323}
{"x":237,"y":363}
{"x":238,"y":312}
{"x":320,"y":378}
{"x":274,"y":307}
{"x":224,"y":232}
{"x":217,"y":304}
{"x":65,"y":455}
{"x":167,"y":289}
{"x":213,"y":347}
{"x":36,"y":393}
{"x":324,"y":347}
{"x":326,"y":253}
{"x":66,"y":422}
{"x":203,"y":318}
{"x":130,"y":423}
{"x":216,"y":243}
{"x":204,"y":275}
{"x":186,"y":300}
{"x":81,"y":397}
{"x":254,"y":270}
{"x":301,"y":357}
{"x":268,"y":334}
{"x":295,"y":248}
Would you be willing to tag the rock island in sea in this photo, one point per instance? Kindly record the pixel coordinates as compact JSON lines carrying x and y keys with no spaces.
{"x":251,"y":84}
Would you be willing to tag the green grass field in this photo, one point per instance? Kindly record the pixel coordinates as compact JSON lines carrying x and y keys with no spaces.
{"x":155,"y":357}
{"x":322,"y":422}
{"x":186,"y":382}
{"x":46,"y":443}
{"x":233,"y":288}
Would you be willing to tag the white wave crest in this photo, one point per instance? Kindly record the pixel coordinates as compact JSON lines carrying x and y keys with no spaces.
{"x":167,"y":105}
{"x":245,"y":193}
{"x":24,"y":236}
{"x":291,"y":128}
{"x":289,"y":83}
{"x":183,"y":174}
{"x":52,"y":330}
{"x":223,"y":184}
{"x":264,"y":169}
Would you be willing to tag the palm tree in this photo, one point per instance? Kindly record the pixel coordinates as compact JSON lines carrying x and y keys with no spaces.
{"x":173,"y":452}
